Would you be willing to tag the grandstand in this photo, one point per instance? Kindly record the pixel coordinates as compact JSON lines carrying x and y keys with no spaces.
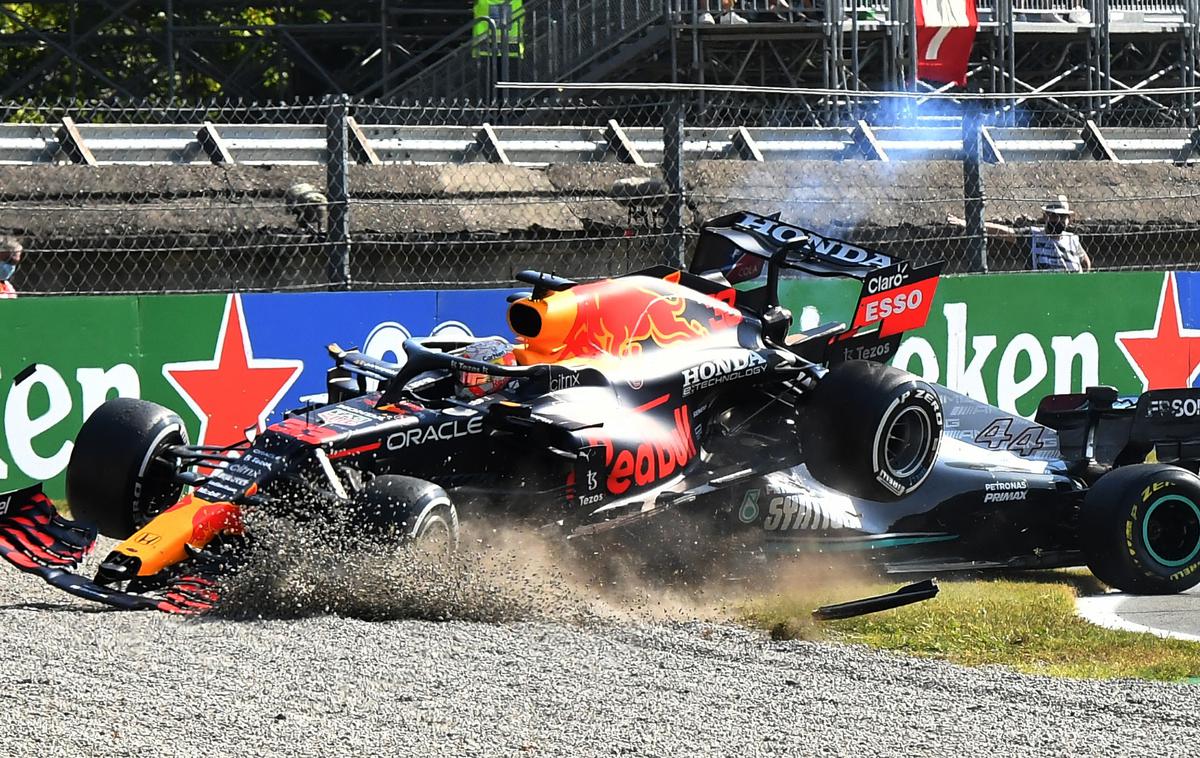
{"x":437,"y":49}
{"x":860,"y":45}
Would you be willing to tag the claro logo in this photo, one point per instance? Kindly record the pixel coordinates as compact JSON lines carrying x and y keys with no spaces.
{"x":438,"y":432}
{"x":651,"y":461}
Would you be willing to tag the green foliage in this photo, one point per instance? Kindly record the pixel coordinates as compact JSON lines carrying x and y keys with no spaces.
{"x":127,"y":55}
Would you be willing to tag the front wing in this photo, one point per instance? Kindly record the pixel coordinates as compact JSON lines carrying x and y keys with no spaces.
{"x":37,"y":540}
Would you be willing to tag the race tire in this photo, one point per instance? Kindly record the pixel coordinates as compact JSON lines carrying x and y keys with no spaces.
{"x":394,"y":511}
{"x":871,"y":430}
{"x":1140,"y":529}
{"x":114,"y":479}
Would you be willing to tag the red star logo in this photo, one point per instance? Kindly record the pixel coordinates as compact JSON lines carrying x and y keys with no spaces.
{"x":1167,"y":356}
{"x":234,"y":390}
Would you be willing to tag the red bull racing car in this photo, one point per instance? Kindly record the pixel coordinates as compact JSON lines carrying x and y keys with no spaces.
{"x":624,"y":404}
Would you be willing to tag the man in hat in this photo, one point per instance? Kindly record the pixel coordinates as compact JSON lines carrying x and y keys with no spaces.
{"x":1052,"y":247}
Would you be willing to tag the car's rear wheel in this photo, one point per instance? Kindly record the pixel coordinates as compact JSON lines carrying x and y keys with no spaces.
{"x":1140,"y":529}
{"x":393,"y":511}
{"x":871,"y":430}
{"x":116,"y":478}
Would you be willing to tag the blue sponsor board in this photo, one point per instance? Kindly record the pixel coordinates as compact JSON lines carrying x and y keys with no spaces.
{"x":299,"y":326}
{"x":225,"y":363}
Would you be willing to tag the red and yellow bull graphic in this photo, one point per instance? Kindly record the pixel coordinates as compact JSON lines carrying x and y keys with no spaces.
{"x":192,"y":521}
{"x":621,"y":318}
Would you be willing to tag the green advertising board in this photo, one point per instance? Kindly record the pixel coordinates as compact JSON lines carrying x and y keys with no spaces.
{"x":224,"y":363}
{"x":1010,"y":339}
{"x":228,"y":362}
{"x":81,"y":351}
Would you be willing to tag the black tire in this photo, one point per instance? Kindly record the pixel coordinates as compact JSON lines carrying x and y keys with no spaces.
{"x":113,"y":479}
{"x":871,"y":430}
{"x":394,"y":511}
{"x":1140,"y":529}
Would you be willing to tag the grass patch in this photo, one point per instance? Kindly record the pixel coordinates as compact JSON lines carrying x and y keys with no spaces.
{"x":1027,"y":623}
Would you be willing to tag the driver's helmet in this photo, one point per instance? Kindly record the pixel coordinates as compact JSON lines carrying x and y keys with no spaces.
{"x":475,"y":384}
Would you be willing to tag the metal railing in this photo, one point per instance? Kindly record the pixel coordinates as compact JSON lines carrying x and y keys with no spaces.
{"x":364,"y":195}
{"x":542,"y":145}
{"x":558,"y":39}
{"x":858,"y":44}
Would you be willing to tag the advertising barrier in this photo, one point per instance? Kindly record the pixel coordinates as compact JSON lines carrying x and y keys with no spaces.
{"x":229,"y":362}
{"x":1010,"y":339}
{"x":223,"y":362}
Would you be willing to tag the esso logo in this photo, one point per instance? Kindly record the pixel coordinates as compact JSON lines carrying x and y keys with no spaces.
{"x":880,"y":309}
{"x":1186,"y":407}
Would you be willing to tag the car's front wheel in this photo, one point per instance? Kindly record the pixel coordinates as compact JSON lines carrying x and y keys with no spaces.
{"x":1140,"y":529}
{"x":871,"y":430}
{"x":116,"y":478}
{"x":393,"y":511}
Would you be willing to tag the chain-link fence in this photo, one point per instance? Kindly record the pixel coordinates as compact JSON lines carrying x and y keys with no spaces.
{"x":342,"y":194}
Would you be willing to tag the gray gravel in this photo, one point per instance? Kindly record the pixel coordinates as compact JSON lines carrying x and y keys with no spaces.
{"x":77,"y":681}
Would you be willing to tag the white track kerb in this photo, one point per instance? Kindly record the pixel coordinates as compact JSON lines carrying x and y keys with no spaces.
{"x":1101,"y":610}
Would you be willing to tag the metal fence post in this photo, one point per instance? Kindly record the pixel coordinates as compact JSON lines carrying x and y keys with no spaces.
{"x":337,"y":189}
{"x":973,"y":201}
{"x":672,"y":168}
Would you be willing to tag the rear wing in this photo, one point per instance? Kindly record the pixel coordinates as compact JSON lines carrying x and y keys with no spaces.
{"x":1098,"y":425}
{"x":743,"y":234}
{"x":751,"y":251}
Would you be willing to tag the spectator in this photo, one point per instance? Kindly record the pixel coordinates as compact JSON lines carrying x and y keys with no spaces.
{"x":727,"y":15}
{"x":10,"y":255}
{"x":1051,"y":247}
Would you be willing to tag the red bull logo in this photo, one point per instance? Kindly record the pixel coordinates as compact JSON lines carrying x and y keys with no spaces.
{"x":623,"y":318}
{"x":657,"y":458}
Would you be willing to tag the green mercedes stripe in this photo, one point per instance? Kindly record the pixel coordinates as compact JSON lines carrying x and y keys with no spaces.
{"x":871,"y":542}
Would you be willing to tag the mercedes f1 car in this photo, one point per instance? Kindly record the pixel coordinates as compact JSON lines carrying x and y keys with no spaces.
{"x":640,"y":400}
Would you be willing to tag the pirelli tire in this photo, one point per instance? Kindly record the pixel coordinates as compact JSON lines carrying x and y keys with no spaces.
{"x":871,"y":430}
{"x":1139,"y":529}
{"x":115,"y":477}
{"x":402,"y":511}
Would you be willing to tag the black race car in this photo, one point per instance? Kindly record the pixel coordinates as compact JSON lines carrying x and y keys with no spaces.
{"x":654,"y":398}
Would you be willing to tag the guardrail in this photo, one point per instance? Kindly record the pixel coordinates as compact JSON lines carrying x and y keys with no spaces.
{"x":307,"y":144}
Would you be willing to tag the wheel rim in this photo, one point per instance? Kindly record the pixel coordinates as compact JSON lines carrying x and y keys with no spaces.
{"x":1171,"y":530}
{"x":435,"y":538}
{"x":156,"y":476}
{"x":907,"y":442}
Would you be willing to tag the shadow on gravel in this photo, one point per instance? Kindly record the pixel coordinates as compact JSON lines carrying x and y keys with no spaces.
{"x":58,"y":608}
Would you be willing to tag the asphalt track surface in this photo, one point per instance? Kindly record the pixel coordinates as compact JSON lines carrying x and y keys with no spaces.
{"x":343,"y":663}
{"x":1178,"y":614}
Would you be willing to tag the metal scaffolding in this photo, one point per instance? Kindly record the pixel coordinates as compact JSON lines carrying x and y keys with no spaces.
{"x":856,"y":46}
{"x":433,"y":50}
{"x":1022,"y":47}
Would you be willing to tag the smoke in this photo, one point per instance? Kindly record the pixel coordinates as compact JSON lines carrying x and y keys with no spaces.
{"x":498,"y":575}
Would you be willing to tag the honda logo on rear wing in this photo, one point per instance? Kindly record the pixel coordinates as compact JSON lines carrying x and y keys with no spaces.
{"x":819,"y":245}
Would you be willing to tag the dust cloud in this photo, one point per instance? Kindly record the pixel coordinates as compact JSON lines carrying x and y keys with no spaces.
{"x":505,"y":574}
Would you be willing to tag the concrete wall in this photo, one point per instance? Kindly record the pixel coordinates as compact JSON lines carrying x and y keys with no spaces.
{"x":431,"y":223}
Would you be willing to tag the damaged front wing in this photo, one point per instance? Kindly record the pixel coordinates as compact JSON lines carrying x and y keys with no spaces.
{"x":37,"y":540}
